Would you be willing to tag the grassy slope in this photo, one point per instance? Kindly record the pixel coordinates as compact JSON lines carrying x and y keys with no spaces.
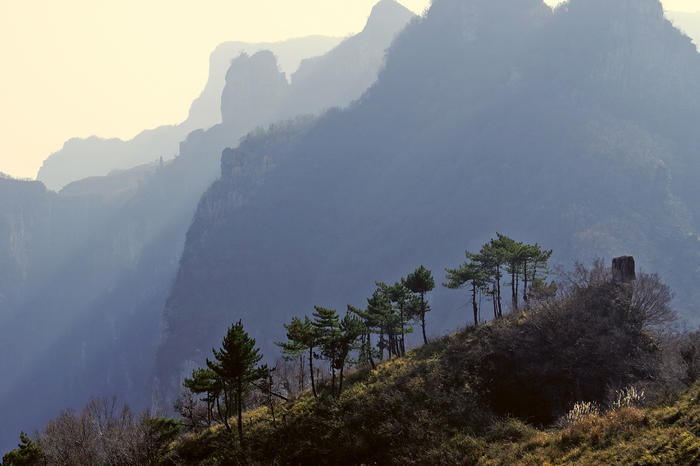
{"x":666,"y":434}
{"x":402,"y":413}
{"x":426,"y":408}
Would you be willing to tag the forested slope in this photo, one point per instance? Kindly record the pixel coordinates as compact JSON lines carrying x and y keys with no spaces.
{"x":588,"y":377}
{"x":591,"y":375}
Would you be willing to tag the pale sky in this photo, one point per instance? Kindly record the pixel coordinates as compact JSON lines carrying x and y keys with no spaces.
{"x":76,"y":68}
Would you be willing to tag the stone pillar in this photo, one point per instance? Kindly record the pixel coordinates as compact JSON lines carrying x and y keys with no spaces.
{"x":623,"y":269}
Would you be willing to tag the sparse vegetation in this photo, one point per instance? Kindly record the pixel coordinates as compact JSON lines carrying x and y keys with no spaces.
{"x":536,"y":386}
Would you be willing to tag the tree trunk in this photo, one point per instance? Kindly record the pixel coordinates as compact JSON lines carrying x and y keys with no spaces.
{"x":513,"y":292}
{"x":402,"y":347}
{"x":422,"y":317}
{"x":476,"y":317}
{"x":311,"y":371}
{"x":525,"y":281}
{"x":222,"y":417}
{"x":369,"y":351}
{"x":340,"y":387}
{"x":210,"y":407}
{"x":498,"y":291}
{"x":239,"y":409}
{"x":301,"y":372}
{"x":381,"y":346}
{"x":332,"y":380}
{"x":494,"y":299}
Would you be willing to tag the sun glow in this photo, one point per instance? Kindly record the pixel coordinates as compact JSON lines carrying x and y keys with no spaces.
{"x":112,"y":69}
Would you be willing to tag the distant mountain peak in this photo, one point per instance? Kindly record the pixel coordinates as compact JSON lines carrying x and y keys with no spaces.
{"x":627,"y":6}
{"x":388,"y":13}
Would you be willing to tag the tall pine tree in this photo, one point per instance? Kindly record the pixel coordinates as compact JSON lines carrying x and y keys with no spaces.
{"x":235,"y":366}
{"x":420,"y":282}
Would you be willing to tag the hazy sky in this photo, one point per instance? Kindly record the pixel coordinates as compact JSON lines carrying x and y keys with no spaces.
{"x":76,"y":68}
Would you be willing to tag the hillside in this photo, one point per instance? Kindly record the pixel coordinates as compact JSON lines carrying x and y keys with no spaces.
{"x":589,"y":377}
{"x":577,"y":128}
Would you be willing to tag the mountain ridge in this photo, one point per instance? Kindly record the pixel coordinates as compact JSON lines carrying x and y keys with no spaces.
{"x":96,"y":156}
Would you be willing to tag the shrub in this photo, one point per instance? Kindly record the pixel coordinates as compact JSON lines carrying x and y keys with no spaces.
{"x":626,"y":397}
{"x":581,"y":410}
{"x":535,"y":365}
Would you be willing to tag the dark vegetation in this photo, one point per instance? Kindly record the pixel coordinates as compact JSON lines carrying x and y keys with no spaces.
{"x":100,"y":434}
{"x":595,"y":371}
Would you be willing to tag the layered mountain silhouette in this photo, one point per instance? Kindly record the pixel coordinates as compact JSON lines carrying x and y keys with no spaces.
{"x":95,"y":156}
{"x":86,"y":270}
{"x":576,"y":128}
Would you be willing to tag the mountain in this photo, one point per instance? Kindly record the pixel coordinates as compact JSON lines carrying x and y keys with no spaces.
{"x":575,"y":128}
{"x":88,"y":268}
{"x":94,"y":156}
{"x":689,"y":23}
{"x":588,"y":377}
{"x":533,"y":387}
{"x":342,"y":74}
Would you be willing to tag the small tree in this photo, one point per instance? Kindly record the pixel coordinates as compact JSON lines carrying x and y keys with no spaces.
{"x":420,"y":282}
{"x":195,"y":414}
{"x":351,"y":329}
{"x":327,"y":324}
{"x":406,"y":305}
{"x":382,"y":320}
{"x":468,"y":272}
{"x":366,"y":351}
{"x":492,"y":258}
{"x":302,"y":336}
{"x":235,"y":366}
{"x":155,"y":435}
{"x":27,"y":453}
{"x":102,"y":434}
{"x":336,"y":339}
{"x":535,"y":269}
{"x":203,"y":381}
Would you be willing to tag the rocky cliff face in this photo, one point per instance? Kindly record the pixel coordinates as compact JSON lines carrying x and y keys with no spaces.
{"x":205,"y":111}
{"x":574,"y":129}
{"x":89,"y":268}
{"x":345,"y":72}
{"x":254,"y":89}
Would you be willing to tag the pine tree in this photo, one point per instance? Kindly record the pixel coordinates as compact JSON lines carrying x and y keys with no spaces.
{"x":327,"y":324}
{"x":534,"y":266}
{"x":382,"y":319}
{"x":351,"y":329}
{"x":472,"y":273}
{"x":235,"y":365}
{"x":336,"y":339}
{"x":420,"y":282}
{"x":204,"y":381}
{"x":302,"y":337}
{"x":366,"y":351}
{"x":27,"y":453}
{"x":486,"y":268}
{"x":406,"y":306}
